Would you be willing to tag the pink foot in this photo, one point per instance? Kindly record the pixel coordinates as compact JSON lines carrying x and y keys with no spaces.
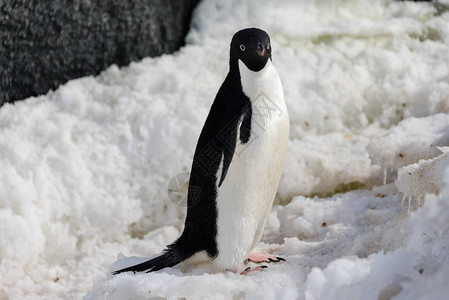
{"x":260,"y":257}
{"x":248,"y":270}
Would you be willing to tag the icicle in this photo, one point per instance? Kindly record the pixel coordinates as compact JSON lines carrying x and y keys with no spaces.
{"x":402,"y":202}
{"x":385,"y":175}
{"x":409,"y":203}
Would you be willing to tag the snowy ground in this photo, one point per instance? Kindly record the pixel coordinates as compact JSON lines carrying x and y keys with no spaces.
{"x":84,"y":169}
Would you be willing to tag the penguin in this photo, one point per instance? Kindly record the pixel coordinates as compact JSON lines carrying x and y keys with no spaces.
{"x":237,"y":165}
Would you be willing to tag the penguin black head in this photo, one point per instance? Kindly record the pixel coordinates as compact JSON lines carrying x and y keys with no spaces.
{"x":252,"y":46}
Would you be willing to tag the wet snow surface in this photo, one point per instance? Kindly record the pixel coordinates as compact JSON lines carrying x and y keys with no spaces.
{"x":84,"y":170}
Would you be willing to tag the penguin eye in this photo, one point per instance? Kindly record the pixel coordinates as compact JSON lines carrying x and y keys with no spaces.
{"x":268,"y":46}
{"x":242,"y":47}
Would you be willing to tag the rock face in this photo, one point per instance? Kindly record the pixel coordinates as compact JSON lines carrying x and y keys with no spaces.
{"x":45,"y":43}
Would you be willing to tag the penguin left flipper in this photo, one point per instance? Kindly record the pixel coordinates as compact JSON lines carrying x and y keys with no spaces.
{"x":261,"y":258}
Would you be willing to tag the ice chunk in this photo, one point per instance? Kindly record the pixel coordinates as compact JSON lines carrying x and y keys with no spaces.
{"x":418,"y":179}
{"x":413,"y":139}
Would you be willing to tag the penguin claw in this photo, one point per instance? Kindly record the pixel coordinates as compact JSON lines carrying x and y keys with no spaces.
{"x":249,"y":269}
{"x":280,"y":258}
{"x":261,"y":258}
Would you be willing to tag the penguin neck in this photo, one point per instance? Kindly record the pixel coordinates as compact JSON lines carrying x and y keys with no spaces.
{"x":265,"y":81}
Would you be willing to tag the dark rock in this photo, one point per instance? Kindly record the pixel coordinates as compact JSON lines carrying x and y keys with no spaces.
{"x":46,"y":43}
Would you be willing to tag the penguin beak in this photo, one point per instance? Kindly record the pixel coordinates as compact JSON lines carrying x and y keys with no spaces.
{"x":260,"y":49}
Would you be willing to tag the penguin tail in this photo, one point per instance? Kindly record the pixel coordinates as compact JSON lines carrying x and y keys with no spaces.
{"x":169,"y":258}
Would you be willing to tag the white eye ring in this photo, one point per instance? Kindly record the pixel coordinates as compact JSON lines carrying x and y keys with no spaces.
{"x":268,"y":46}
{"x":242,"y":47}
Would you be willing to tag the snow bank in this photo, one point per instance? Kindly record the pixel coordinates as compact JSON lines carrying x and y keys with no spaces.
{"x":85,"y":169}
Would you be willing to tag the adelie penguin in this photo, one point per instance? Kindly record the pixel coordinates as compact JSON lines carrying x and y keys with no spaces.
{"x":237,"y":164}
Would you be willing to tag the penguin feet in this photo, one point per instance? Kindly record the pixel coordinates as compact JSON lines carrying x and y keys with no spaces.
{"x":260,"y":258}
{"x":249,"y":269}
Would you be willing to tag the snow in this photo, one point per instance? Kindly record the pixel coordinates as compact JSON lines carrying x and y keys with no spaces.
{"x":85,"y":169}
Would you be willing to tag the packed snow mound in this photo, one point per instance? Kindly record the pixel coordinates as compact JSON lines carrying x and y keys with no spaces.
{"x":86,"y":168}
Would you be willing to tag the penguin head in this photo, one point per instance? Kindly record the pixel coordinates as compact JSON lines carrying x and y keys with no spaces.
{"x":252,"y":46}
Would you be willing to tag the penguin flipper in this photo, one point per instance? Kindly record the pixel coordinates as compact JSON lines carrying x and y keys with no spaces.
{"x":245,"y":127}
{"x":230,"y":139}
{"x":166,"y":259}
{"x":229,"y":142}
{"x":227,"y":158}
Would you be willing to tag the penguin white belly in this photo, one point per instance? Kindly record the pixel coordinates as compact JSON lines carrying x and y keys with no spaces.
{"x":246,"y":196}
